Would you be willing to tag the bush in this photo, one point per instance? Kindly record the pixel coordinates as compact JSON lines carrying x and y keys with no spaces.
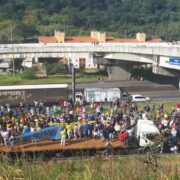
{"x":28,"y":74}
{"x":54,"y":68}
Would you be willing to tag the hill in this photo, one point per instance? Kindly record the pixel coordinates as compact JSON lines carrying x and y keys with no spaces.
{"x":119,"y":18}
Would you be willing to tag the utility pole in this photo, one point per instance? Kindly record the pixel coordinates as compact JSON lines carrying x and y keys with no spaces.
{"x":73,"y":82}
{"x":12,"y":43}
{"x":179,"y":82}
{"x":125,"y":33}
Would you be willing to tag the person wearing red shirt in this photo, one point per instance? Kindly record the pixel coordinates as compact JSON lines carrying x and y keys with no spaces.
{"x":123,"y":136}
{"x":178,"y":106}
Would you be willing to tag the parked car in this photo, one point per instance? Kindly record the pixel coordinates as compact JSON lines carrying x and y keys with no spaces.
{"x":139,"y":98}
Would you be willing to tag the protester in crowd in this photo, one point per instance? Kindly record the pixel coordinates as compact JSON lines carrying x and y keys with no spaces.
{"x":123,"y":136}
{"x":75,"y":131}
{"x":117,"y":128}
{"x":63,"y":134}
{"x":5,"y":136}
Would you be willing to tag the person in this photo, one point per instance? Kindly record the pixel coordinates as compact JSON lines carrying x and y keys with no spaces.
{"x":69,"y":128}
{"x":147,"y":108}
{"x":123,"y":136}
{"x":86,"y":128}
{"x":5,"y":136}
{"x":178,"y":106}
{"x":153,"y":108}
{"x":32,"y":129}
{"x":110,"y":131}
{"x":117,"y":128}
{"x":12,"y":141}
{"x":80,"y":130}
{"x":105,"y":100}
{"x":109,"y":149}
{"x":63,"y":136}
{"x":75,"y":131}
{"x":100,"y":127}
{"x":26,"y":129}
{"x":161,"y":108}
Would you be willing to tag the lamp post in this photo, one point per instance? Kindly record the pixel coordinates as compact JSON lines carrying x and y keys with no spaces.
{"x":12,"y":48}
{"x":72,"y":70}
{"x":73,"y":83}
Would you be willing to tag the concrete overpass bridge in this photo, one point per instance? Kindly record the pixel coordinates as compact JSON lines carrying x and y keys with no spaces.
{"x":119,"y":57}
{"x":38,"y":50}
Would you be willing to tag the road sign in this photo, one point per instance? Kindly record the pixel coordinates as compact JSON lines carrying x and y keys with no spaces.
{"x":174,"y":61}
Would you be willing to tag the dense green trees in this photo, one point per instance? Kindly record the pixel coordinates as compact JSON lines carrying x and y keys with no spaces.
{"x":122,"y":18}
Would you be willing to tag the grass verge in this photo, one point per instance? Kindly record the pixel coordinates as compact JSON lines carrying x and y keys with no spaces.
{"x":93,"y":169}
{"x":18,"y":79}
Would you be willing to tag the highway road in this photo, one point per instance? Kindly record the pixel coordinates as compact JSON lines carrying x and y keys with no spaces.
{"x":157,"y":92}
{"x":161,"y":95}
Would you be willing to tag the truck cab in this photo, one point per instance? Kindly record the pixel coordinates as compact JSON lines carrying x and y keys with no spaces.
{"x":79,"y":98}
{"x":147,"y":133}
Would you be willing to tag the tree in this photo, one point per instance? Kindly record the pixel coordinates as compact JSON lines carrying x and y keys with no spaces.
{"x":79,"y":17}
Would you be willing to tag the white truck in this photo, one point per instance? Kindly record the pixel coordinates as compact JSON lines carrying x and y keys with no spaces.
{"x":147,"y":133}
{"x":100,"y":94}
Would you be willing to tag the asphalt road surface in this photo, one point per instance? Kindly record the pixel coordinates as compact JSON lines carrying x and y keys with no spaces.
{"x":157,"y":92}
{"x":161,"y":95}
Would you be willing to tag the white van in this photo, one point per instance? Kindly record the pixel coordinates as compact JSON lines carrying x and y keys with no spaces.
{"x":139,"y":98}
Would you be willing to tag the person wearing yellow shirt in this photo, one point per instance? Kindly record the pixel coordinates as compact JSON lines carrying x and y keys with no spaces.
{"x":69,"y":128}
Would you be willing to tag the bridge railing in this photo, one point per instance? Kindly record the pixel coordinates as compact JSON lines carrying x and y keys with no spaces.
{"x":140,"y":48}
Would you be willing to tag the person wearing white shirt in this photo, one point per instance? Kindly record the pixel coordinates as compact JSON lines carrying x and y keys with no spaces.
{"x":5,"y":136}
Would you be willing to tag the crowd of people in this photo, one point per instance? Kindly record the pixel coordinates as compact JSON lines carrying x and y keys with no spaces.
{"x":108,"y":120}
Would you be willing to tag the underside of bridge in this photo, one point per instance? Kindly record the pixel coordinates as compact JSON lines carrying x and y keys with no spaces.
{"x":164,"y":71}
{"x":120,"y":65}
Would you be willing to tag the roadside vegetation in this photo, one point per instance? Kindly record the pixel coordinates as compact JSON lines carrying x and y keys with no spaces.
{"x":28,"y":77}
{"x":168,"y":106}
{"x":93,"y":169}
{"x":77,"y":18}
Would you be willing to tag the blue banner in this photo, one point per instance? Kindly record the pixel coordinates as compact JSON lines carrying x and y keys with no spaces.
{"x":174,"y":61}
{"x":52,"y":133}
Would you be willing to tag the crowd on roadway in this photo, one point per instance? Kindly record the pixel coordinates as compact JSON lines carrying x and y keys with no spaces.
{"x":86,"y":121}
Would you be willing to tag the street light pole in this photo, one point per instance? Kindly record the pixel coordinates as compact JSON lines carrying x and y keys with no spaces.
{"x":73,"y":82}
{"x":12,"y":48}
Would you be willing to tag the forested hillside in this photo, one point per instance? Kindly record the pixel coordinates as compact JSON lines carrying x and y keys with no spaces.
{"x":120,"y":18}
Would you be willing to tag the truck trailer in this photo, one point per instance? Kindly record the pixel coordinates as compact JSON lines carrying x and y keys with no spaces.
{"x":30,"y":93}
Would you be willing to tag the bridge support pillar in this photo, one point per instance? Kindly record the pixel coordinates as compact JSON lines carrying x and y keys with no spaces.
{"x":163,"y":71}
{"x":120,"y":72}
